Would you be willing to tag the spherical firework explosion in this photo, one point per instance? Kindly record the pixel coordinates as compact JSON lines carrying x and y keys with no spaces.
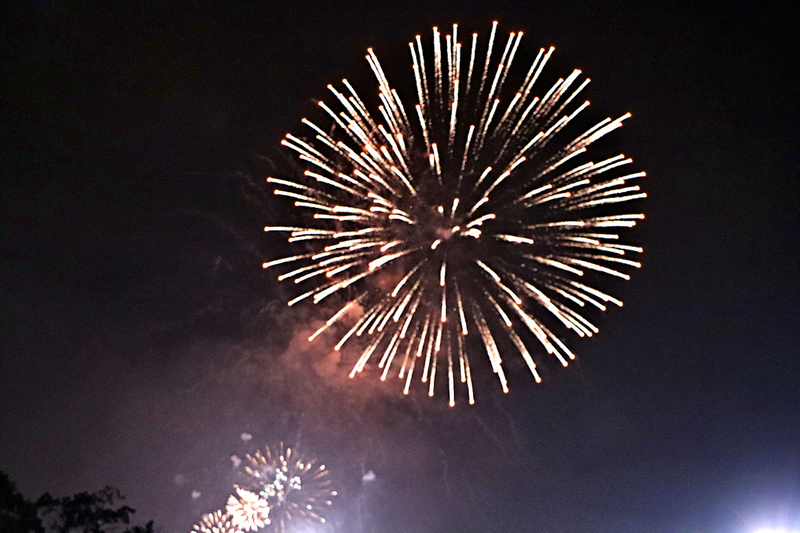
{"x":476,"y":213}
{"x":248,"y":511}
{"x":291,"y":486}
{"x":216,"y":522}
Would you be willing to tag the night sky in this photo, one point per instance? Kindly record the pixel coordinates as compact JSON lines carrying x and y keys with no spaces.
{"x":139,"y":336}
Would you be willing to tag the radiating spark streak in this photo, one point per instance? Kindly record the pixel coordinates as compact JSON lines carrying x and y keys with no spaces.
{"x":599,"y":268}
{"x":581,"y":297}
{"x":469,"y":381}
{"x":333,"y":319}
{"x":628,"y":262}
{"x":451,"y":380}
{"x":380,"y":321}
{"x":361,"y":322}
{"x":480,"y":220}
{"x":515,"y":239}
{"x":461,"y":358}
{"x":337,"y":286}
{"x":432,"y":381}
{"x":437,"y":345}
{"x":502,"y":314}
{"x":327,"y":271}
{"x":491,"y":348}
{"x":428,"y":353}
{"x":410,"y":316}
{"x":462,"y":317}
{"x":410,"y":374}
{"x":489,"y":271}
{"x":409,"y":348}
{"x":444,"y":306}
{"x":504,"y":175}
{"x":387,"y":258}
{"x":283,"y":260}
{"x":483,"y":205}
{"x":293,"y":195}
{"x":477,"y":205}
{"x":580,"y":325}
{"x":404,"y":301}
{"x":282,"y":228}
{"x":362,"y":361}
{"x":603,"y":296}
{"x":556,"y":264}
{"x":386,"y":360}
{"x":485,"y":173}
{"x":523,"y":350}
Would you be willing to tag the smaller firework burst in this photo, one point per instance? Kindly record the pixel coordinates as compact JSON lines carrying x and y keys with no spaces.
{"x":294,"y":487}
{"x":248,"y":510}
{"x":216,"y":522}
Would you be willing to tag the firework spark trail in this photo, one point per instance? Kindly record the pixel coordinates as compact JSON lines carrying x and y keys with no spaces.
{"x":289,"y":486}
{"x":492,"y":226}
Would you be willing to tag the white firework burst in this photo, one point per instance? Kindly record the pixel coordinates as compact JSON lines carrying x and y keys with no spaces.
{"x":474,"y":213}
{"x":248,"y":510}
{"x":216,"y":522}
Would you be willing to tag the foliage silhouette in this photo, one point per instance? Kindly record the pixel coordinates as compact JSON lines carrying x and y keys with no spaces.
{"x":85,"y":512}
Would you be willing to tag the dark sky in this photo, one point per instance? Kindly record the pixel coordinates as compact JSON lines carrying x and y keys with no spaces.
{"x":139,"y":336}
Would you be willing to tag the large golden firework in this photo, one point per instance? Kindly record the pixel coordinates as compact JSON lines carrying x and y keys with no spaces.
{"x":474,"y":213}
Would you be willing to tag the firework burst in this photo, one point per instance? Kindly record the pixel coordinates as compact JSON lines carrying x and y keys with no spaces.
{"x":292,"y":487}
{"x":216,"y":522}
{"x":248,"y":511}
{"x":474,"y":213}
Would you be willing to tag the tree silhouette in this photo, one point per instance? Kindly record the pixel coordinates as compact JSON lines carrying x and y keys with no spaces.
{"x":85,"y":512}
{"x":17,"y":515}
